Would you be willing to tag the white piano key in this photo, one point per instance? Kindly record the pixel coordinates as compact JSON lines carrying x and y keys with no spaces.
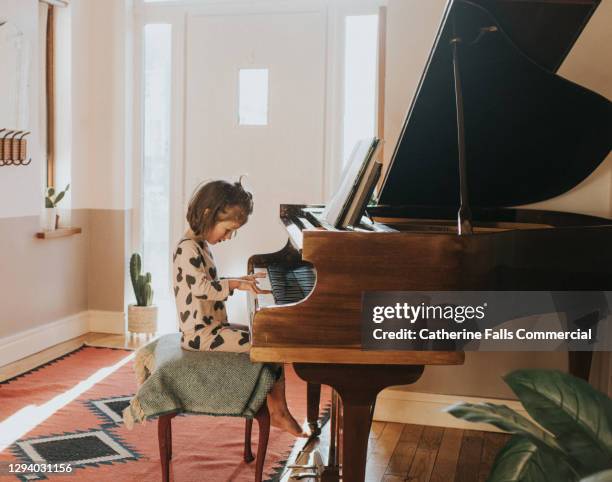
{"x":264,"y":284}
{"x":307,"y":224}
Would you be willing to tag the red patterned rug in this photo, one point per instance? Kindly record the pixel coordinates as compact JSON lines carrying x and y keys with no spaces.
{"x":68,"y":412}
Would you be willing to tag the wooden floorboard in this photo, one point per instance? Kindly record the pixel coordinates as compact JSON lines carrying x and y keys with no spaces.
{"x":470,"y":454}
{"x":492,"y":444}
{"x":128,"y":342}
{"x":381,"y":450}
{"x":445,"y":466}
{"x":426,"y":453}
{"x":404,"y":452}
{"x":377,"y":429}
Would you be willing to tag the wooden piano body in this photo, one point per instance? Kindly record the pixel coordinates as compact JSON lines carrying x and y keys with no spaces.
{"x":525,"y":135}
{"x":528,"y":250}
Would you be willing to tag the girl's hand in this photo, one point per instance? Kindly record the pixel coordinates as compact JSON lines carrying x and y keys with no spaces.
{"x":249,"y":285}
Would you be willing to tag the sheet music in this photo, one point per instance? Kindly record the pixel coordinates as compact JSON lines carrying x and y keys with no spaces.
{"x":360,"y":157}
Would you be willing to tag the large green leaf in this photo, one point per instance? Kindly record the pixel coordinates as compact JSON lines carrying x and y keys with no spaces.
{"x":521,"y":460}
{"x":579,"y":416}
{"x":505,"y":418}
{"x":59,"y":197}
{"x":605,"y":476}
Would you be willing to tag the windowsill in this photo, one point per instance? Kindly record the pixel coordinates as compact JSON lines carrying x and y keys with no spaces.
{"x":58,"y":233}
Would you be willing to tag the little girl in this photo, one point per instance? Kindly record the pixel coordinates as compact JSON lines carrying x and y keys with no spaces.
{"x":215,"y":213}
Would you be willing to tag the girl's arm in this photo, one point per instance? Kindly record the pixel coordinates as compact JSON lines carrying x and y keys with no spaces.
{"x":191,"y":269}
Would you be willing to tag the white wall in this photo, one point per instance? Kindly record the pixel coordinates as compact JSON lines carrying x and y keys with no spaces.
{"x":101,"y":103}
{"x":21,"y":186}
{"x":101,"y":109}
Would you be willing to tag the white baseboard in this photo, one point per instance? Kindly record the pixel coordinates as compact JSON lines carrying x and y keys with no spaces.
{"x":393,"y":405}
{"x":28,"y":342}
{"x":107,"y":322}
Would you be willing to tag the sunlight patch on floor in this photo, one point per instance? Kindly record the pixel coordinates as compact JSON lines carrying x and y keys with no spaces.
{"x":26,"y":419}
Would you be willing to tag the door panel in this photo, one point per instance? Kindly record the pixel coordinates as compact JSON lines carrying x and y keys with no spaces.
{"x":284,"y":159}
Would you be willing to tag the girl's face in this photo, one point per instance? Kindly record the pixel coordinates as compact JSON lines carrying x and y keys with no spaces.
{"x":222,"y":231}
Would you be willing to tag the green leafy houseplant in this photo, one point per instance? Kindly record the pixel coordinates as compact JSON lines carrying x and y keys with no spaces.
{"x":571,"y":441}
{"x":52,"y":198}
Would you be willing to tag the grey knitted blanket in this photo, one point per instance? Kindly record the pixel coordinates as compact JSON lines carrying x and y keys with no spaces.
{"x":171,"y":379}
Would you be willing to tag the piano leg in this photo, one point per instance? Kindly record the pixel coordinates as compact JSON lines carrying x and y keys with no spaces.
{"x":313,"y":398}
{"x":358,"y":386}
{"x":580,"y":363}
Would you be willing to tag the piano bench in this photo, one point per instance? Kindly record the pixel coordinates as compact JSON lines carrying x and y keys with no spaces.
{"x":172,"y":381}
{"x":164,"y":433}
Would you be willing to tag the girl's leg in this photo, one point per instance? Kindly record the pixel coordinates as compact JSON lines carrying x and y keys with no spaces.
{"x":228,"y":338}
{"x":279,"y":412}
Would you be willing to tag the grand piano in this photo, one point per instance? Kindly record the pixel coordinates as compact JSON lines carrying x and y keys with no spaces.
{"x":491,"y":126}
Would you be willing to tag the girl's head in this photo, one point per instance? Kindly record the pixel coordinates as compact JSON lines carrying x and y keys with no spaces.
{"x":218,"y":209}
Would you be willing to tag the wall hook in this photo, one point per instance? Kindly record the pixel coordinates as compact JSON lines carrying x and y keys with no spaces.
{"x":13,"y":147}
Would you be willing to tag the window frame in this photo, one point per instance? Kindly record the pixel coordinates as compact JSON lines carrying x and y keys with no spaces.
{"x":49,"y":66}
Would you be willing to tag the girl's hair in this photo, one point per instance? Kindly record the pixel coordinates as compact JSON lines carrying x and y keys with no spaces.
{"x":218,"y":201}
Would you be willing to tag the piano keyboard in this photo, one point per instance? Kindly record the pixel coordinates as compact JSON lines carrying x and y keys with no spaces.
{"x":289,"y":284}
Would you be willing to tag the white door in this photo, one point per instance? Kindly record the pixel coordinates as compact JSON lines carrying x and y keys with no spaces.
{"x":283,"y":158}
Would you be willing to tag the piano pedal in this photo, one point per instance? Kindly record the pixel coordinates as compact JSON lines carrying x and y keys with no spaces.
{"x":305,"y":475}
{"x":315,"y":463}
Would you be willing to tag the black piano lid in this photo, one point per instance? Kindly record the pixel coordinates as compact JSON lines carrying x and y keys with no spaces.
{"x":530,"y":134}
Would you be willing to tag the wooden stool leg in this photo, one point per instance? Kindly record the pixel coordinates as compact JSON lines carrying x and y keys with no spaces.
{"x":162,"y":434}
{"x":248,"y":454}
{"x":263,"y":420}
{"x":169,"y":438}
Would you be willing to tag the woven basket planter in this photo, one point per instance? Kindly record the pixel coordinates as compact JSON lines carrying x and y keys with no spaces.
{"x":142,"y":319}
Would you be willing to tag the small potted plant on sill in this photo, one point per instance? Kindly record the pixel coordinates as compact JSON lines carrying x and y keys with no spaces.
{"x":142,"y":317}
{"x":52,"y":199}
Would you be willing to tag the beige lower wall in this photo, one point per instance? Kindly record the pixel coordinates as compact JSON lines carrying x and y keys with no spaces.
{"x":107,"y":265}
{"x":481,"y":374}
{"x":42,"y":281}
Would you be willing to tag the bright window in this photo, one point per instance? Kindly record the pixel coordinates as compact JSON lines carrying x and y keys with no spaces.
{"x":253,"y":97}
{"x":360,"y":73}
{"x":156,"y":156}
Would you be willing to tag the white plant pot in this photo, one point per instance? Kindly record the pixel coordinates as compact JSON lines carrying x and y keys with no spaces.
{"x":142,"y":319}
{"x":49,"y":219}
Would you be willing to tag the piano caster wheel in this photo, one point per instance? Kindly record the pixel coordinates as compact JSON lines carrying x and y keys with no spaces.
{"x":315,"y":430}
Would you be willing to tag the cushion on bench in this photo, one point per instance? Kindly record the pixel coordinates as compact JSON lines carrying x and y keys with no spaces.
{"x":171,"y":379}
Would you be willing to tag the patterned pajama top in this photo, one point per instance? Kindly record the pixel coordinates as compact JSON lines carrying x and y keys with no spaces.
{"x":200,"y":294}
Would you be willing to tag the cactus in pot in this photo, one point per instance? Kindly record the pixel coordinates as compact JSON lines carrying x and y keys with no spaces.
{"x":142,"y":317}
{"x":141,"y":283}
